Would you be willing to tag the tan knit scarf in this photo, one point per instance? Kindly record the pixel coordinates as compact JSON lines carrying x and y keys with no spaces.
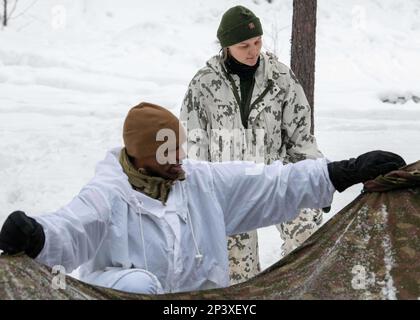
{"x":155,"y":187}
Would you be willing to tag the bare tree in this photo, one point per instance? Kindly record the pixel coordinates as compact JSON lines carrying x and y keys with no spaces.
{"x":9,"y":8}
{"x":303,"y":47}
{"x":6,"y":12}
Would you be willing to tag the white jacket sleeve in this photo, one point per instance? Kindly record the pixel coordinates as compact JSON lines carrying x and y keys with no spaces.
{"x":74,"y":233}
{"x":253,"y":196}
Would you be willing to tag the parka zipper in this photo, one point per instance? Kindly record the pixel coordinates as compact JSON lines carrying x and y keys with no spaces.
{"x":235,"y":91}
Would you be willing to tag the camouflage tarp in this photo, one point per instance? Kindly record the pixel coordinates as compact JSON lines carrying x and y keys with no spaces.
{"x":369,"y":250}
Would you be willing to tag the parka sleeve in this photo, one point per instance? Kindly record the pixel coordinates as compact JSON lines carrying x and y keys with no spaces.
{"x":296,"y":124}
{"x":75,"y":232}
{"x":256,"y":195}
{"x":194,"y":118}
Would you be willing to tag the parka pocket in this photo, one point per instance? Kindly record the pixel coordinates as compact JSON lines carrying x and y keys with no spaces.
{"x":224,"y":116}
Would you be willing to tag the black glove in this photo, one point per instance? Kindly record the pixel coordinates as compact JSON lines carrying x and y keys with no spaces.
{"x":368,"y":166}
{"x":21,"y":233}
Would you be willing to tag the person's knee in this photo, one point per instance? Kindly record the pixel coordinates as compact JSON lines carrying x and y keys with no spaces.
{"x":138,"y":281}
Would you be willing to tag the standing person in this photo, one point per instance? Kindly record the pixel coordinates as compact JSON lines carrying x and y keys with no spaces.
{"x":144,"y":222}
{"x":246,"y":99}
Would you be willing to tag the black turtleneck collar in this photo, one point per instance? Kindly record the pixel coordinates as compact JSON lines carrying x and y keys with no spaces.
{"x":242,"y":70}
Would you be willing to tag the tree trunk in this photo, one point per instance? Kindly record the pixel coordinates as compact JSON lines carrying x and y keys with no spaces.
{"x":4,"y":13}
{"x":303,"y":47}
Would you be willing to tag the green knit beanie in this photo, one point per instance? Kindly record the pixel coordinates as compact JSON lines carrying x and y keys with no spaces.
{"x":238,"y":24}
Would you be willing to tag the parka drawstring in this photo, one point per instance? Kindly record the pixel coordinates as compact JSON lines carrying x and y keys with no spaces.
{"x":198,"y":256}
{"x":138,"y":209}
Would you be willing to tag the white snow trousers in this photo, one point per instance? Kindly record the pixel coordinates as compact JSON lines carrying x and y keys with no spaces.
{"x":128,"y":280}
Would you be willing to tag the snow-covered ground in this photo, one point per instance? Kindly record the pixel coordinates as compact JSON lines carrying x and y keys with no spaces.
{"x":71,"y":69}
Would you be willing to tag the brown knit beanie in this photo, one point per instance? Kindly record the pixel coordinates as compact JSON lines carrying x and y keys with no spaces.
{"x":141,"y":126}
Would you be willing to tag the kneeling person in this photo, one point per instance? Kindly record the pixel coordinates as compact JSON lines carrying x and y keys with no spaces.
{"x":150,"y":223}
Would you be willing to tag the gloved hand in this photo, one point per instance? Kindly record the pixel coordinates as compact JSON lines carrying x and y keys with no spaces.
{"x":368,"y":166}
{"x":21,"y":233}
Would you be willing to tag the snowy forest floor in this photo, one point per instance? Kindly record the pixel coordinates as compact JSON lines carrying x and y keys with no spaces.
{"x":70,"y":71}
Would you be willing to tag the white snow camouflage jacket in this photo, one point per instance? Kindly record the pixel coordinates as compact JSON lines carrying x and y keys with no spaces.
{"x":110,"y":225}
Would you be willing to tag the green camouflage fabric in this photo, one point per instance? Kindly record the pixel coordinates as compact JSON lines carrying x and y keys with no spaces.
{"x":369,"y":250}
{"x":278,"y":129}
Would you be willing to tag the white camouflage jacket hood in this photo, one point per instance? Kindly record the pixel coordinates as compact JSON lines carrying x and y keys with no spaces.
{"x":278,"y":108}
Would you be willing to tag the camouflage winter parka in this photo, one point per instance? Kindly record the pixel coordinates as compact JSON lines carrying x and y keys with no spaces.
{"x":278,"y":124}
